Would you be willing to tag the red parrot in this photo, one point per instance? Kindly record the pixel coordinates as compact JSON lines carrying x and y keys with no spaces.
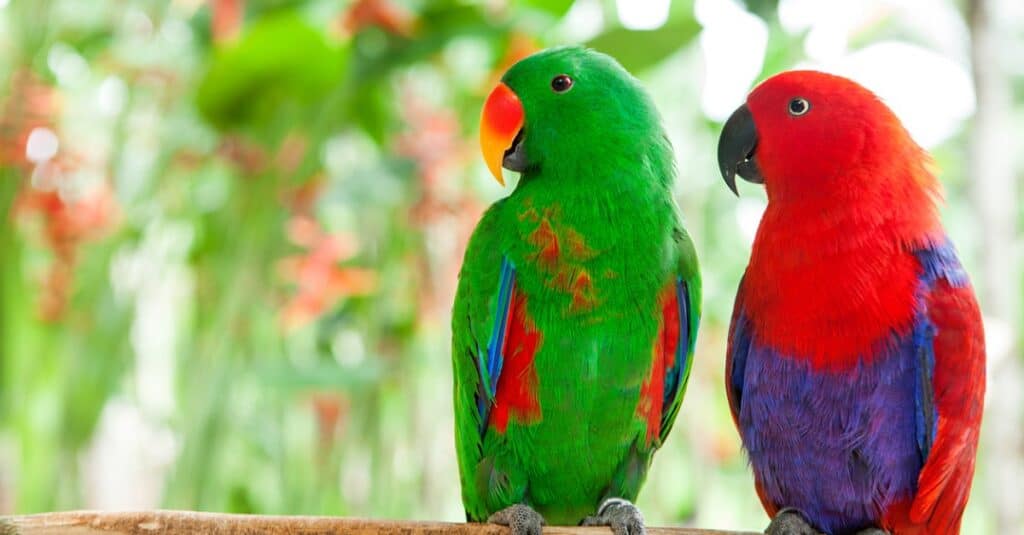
{"x":856,"y":361}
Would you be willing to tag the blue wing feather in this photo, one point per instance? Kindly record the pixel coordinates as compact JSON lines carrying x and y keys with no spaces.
{"x":739,"y":348}
{"x":681,"y":366}
{"x":924,"y":398}
{"x":938,"y":262}
{"x":490,"y":369}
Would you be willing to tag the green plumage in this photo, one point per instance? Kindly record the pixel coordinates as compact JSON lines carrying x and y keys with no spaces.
{"x":599,"y":188}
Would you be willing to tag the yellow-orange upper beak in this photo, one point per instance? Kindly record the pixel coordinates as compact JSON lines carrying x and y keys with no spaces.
{"x":500,"y":122}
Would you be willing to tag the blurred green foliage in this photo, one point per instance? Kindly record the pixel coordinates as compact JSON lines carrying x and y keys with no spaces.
{"x":228,"y":287}
{"x":281,"y":66}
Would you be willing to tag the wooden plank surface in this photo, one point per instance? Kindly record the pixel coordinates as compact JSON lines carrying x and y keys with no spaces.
{"x":180,"y":522}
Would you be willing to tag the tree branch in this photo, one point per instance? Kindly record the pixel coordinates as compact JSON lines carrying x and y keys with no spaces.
{"x":180,"y":522}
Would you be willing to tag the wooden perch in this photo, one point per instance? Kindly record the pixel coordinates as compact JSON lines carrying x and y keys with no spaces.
{"x":181,"y":522}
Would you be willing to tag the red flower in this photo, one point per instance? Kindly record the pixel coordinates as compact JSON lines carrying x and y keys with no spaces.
{"x":331,"y":410}
{"x":62,"y":226}
{"x":320,"y":281}
{"x":381,"y":14}
{"x":226,"y":23}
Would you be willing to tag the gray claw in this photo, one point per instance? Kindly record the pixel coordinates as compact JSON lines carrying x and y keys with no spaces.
{"x":790,"y":522}
{"x":621,"y":515}
{"x":520,"y":518}
{"x":872,"y":531}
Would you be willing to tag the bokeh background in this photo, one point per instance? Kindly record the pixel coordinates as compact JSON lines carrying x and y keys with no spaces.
{"x":230,"y":232}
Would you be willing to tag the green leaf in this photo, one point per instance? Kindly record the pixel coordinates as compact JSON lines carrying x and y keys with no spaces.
{"x":765,"y":9}
{"x":557,"y":8}
{"x":371,"y":109}
{"x":281,"y":63}
{"x":240,"y":501}
{"x":637,"y":50}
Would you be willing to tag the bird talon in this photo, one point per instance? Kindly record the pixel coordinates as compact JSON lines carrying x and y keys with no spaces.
{"x":622,"y":516}
{"x":520,"y":518}
{"x":789,"y":521}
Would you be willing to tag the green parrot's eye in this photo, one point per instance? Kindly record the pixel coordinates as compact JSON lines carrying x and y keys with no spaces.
{"x":799,"y":106}
{"x":561,"y":83}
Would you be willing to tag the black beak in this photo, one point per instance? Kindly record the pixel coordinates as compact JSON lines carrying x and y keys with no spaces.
{"x":736,"y":149}
{"x":515,"y":156}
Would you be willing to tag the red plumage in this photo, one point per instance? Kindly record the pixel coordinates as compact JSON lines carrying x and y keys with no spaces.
{"x":516,"y":393}
{"x":666,"y":346}
{"x":840,"y":218}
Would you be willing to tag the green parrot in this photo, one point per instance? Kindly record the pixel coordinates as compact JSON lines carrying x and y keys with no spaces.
{"x":578,"y":301}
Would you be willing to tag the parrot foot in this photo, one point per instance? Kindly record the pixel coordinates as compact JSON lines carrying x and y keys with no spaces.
{"x":872,"y":531}
{"x":520,"y":518}
{"x":621,"y":515}
{"x":789,"y":521}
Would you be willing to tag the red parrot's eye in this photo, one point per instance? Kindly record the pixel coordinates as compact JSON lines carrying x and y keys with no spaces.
{"x":561,"y":83}
{"x":799,"y":106}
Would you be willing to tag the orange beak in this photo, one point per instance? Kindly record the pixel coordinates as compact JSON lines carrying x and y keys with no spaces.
{"x":500,"y":122}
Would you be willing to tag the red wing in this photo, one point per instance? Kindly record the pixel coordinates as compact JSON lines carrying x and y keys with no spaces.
{"x":959,"y":389}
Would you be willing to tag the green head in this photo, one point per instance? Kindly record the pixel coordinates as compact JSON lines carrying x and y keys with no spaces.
{"x":572,"y":112}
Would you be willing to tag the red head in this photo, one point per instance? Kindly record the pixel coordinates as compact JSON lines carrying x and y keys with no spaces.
{"x":849,"y":194}
{"x":811,"y":135}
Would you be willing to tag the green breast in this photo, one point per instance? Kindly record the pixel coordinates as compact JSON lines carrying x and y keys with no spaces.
{"x":591,"y":283}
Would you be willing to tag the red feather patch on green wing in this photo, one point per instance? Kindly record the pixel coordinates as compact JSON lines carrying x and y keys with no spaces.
{"x":666,"y":356}
{"x":516,"y":395}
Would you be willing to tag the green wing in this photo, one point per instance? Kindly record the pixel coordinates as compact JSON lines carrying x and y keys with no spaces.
{"x":631,"y":474}
{"x":472,"y":321}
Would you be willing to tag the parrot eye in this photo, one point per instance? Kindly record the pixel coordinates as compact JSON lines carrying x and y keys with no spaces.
{"x":561,"y":83}
{"x":799,"y":106}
